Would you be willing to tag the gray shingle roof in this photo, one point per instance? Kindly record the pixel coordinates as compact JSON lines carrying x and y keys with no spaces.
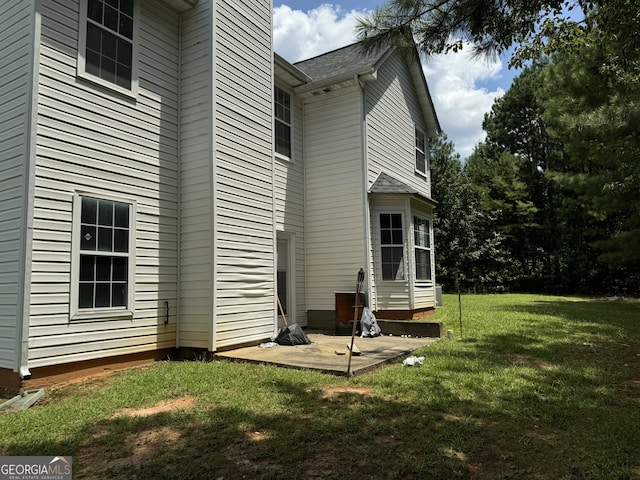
{"x":339,"y":62}
{"x":387,"y":184}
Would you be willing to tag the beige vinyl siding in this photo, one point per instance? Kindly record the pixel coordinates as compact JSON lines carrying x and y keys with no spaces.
{"x":244,"y":211}
{"x":16,"y":37}
{"x":92,"y":139}
{"x":289,"y":192}
{"x":334,"y":219}
{"x":392,"y":112}
{"x":196,"y":192}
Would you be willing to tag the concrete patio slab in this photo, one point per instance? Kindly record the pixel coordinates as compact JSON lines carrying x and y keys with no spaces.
{"x":330,"y":353}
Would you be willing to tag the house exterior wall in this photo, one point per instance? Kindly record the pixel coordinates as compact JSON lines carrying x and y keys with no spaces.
{"x":243,"y":174}
{"x":393,"y":112}
{"x":334,"y":195}
{"x":197,"y":229}
{"x":93,"y":140}
{"x":289,"y":195}
{"x":17,"y":32}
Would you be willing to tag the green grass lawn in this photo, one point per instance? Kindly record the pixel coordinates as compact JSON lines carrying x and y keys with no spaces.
{"x":538,"y":387}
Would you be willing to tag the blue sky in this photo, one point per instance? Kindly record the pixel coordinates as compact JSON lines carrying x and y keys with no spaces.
{"x":463,"y":89}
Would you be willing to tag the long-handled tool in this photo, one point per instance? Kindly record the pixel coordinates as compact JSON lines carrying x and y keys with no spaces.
{"x":356,"y":310}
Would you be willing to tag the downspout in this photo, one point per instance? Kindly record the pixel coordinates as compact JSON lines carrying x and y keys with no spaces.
{"x":365,"y":197}
{"x":179,"y":219}
{"x":26,"y":256}
{"x":212,"y":178}
{"x":273,"y":180}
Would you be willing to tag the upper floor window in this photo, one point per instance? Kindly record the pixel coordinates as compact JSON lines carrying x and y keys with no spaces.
{"x":282,"y":107}
{"x":422,"y":245}
{"x":106,"y":50}
{"x":421,"y":152}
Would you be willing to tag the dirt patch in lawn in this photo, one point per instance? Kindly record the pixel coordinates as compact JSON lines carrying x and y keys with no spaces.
{"x":180,"y":403}
{"x":526,"y":361}
{"x":331,"y":392}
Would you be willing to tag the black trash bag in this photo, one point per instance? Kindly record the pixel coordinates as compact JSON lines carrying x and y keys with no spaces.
{"x":292,"y":335}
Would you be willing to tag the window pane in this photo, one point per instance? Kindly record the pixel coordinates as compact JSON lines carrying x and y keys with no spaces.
{"x":89,"y":209}
{"x":94,"y":10}
{"x":396,"y":220}
{"x":396,"y":237}
{"x":123,"y":77}
{"x":421,"y":232}
{"x":92,"y":64}
{"x":125,"y":28}
{"x":103,"y":295}
{"x":87,"y":237}
{"x":105,"y":212}
{"x":119,"y":269}
{"x":108,"y":70}
{"x":385,"y":236}
{"x":283,"y":139}
{"x":120,"y":241}
{"x":110,"y":18}
{"x":124,"y":53}
{"x":121,"y":215}
{"x":103,"y":269}
{"x":109,"y":45}
{"x":85,"y":295}
{"x":87,"y":265}
{"x":118,"y":295}
{"x":423,"y":264}
{"x":392,"y":263}
{"x":385,"y":220}
{"x":126,"y":7}
{"x":113,"y":3}
{"x":420,"y":163}
{"x":105,"y":239}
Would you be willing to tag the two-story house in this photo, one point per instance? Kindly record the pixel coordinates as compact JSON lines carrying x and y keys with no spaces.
{"x":164,"y":178}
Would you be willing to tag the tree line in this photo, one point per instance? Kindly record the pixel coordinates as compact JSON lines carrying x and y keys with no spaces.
{"x":550,"y":201}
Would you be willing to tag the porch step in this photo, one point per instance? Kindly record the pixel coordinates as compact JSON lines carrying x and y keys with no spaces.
{"x":411,"y":327}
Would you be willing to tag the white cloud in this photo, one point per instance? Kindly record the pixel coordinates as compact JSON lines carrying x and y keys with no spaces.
{"x":460,"y":102}
{"x":453,"y":79}
{"x":300,"y":35}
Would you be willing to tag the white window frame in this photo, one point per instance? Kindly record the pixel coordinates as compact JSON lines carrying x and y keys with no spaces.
{"x":82,"y":48}
{"x":417,"y":247}
{"x":424,"y":152}
{"x":105,"y":313}
{"x":289,"y":124}
{"x":383,"y":245}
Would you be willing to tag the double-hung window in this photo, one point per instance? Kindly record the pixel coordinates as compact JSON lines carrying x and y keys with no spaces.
{"x":392,"y":246}
{"x":282,"y":107}
{"x":421,"y":152}
{"x":106,"y":49}
{"x":103,"y":277}
{"x":422,"y":247}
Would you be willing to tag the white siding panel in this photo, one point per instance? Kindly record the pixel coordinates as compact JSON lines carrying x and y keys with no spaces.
{"x":16,"y":46}
{"x":196,"y":228}
{"x":243,"y":181}
{"x":334,"y":221}
{"x":92,"y":139}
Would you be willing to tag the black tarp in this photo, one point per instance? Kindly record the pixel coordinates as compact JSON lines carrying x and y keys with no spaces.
{"x":292,"y":335}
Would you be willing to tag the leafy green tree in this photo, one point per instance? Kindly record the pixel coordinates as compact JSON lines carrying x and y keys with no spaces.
{"x":591,"y":95}
{"x":491,"y":26}
{"x":467,"y":245}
